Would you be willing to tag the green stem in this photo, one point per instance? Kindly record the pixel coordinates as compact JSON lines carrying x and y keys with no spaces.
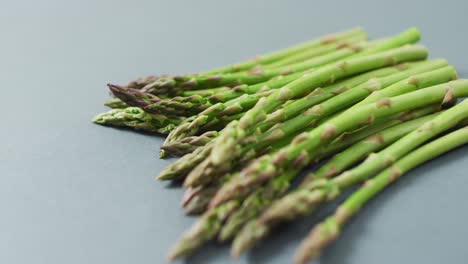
{"x":115,"y":104}
{"x":277,"y":55}
{"x":324,"y":49}
{"x":136,"y":118}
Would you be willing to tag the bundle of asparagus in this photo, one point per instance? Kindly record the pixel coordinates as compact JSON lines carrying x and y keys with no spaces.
{"x":246,"y":131}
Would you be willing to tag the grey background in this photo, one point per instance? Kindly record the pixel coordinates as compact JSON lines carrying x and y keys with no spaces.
{"x":75,"y":192}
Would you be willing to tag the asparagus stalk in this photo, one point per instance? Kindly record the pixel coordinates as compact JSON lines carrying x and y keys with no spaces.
{"x":337,"y":103}
{"x":195,"y":200}
{"x":239,"y":90}
{"x":203,"y":230}
{"x":208,"y":91}
{"x":133,"y":97}
{"x":326,"y":232}
{"x":136,"y":118}
{"x":324,"y":49}
{"x":175,"y":108}
{"x":185,"y":164}
{"x":254,"y":204}
{"x":141,"y":82}
{"x":189,"y":144}
{"x":299,"y":152}
{"x":115,"y":104}
{"x":275,"y":56}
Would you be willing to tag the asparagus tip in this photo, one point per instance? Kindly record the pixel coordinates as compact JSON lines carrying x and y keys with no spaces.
{"x":115,"y":87}
{"x":161,"y":177}
{"x":98,"y":119}
{"x":162,"y":153}
{"x":178,"y":251}
{"x":235,"y":255}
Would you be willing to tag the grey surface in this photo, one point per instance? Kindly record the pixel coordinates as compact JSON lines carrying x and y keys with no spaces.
{"x":75,"y":192}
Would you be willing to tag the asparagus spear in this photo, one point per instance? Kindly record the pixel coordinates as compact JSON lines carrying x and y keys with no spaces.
{"x":136,"y":118}
{"x":275,"y":56}
{"x":141,"y":82}
{"x":115,"y":104}
{"x":324,"y":49}
{"x":207,"y":92}
{"x":326,"y":232}
{"x":186,"y":163}
{"x":133,"y":97}
{"x":189,"y":144}
{"x":299,"y":152}
{"x":254,"y":204}
{"x":331,"y":106}
{"x":203,"y":230}
{"x":176,"y":108}
{"x":195,"y":200}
